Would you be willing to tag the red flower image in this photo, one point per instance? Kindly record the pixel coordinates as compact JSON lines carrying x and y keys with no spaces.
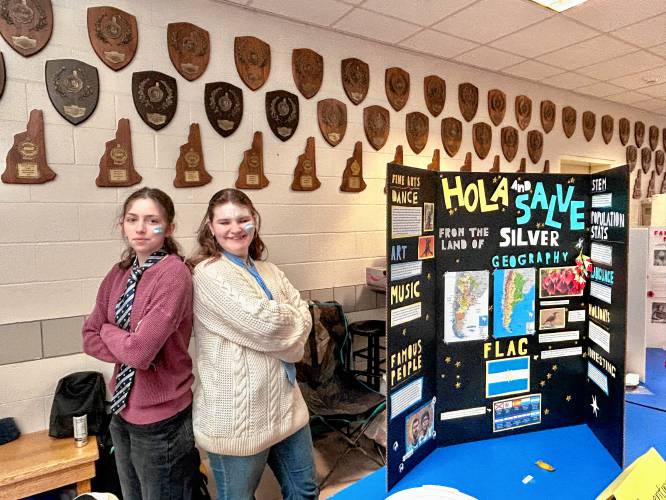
{"x":559,"y":282}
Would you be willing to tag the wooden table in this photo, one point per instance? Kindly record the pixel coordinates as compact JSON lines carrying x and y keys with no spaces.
{"x":36,"y":462}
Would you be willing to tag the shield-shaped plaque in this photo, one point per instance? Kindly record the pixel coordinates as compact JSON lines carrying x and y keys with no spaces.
{"x":639,"y":133}
{"x":253,"y":60}
{"x":282,"y":112}
{"x":224,"y":107}
{"x":434,"y":90}
{"x":547,"y":115}
{"x":26,"y":160}
{"x":646,"y":159}
{"x":307,"y":67}
{"x":509,"y":137}
{"x":523,"y":107}
{"x":26,"y":25}
{"x":568,"y":120}
{"x":2,"y":74}
{"x":355,"y":79}
{"x":73,"y":88}
{"x":376,"y":123}
{"x":496,"y":106}
{"x":417,"y":128}
{"x":396,"y":84}
{"x":659,"y":161}
{"x":607,"y":128}
{"x":653,"y":137}
{"x":189,"y":49}
{"x":482,"y":138}
{"x":155,"y":97}
{"x":638,"y":191}
{"x":114,"y":35}
{"x":632,"y":156}
{"x":332,"y":118}
{"x":451,"y":135}
{"x":623,"y":129}
{"x":534,"y":145}
{"x":589,"y":125}
{"x":468,"y":100}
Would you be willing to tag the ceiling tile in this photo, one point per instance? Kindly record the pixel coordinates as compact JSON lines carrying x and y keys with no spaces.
{"x":375,"y":26}
{"x":650,"y":104}
{"x":439,"y":44}
{"x":421,"y":12}
{"x":488,"y":20}
{"x":326,"y":12}
{"x":627,"y":97}
{"x":658,"y":91}
{"x":660,"y":50}
{"x":601,"y":89}
{"x":609,"y":15}
{"x":646,"y":33}
{"x":532,"y":70}
{"x":587,"y":52}
{"x":623,"y":65}
{"x":546,"y":36}
{"x":642,"y":79}
{"x":568,"y":80}
{"x":489,"y":58}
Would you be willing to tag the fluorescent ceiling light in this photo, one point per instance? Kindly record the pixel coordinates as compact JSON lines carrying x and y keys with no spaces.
{"x":559,"y":5}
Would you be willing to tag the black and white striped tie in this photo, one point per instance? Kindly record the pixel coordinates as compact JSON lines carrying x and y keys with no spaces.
{"x":126,"y":373}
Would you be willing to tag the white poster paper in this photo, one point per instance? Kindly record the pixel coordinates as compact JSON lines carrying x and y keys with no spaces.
{"x":405,"y":221}
{"x":406,"y":397}
{"x":602,"y":254}
{"x":601,"y":292}
{"x":406,"y":270}
{"x":561,"y":353}
{"x":599,"y":336}
{"x":405,"y":314}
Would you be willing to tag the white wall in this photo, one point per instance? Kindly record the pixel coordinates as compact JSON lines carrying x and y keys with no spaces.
{"x":58,"y":240}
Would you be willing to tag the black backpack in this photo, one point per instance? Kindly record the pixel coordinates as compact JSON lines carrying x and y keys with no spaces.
{"x":80,"y":393}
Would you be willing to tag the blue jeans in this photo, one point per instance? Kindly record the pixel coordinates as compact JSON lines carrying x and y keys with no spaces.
{"x":292,"y":463}
{"x":155,"y":461}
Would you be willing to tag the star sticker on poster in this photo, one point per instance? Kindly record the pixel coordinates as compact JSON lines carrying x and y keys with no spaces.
{"x":595,"y":407}
{"x":568,"y":398}
{"x":554,"y":368}
{"x":458,"y":364}
{"x":549,"y":376}
{"x":458,"y":385}
{"x":542,"y":383}
{"x":546,"y":411}
{"x":447,"y":360}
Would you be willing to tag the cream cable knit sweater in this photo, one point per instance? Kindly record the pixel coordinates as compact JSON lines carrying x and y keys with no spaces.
{"x":243,"y":402}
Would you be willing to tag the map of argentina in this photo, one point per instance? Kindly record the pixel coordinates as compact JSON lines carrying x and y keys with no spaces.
{"x":466,"y":305}
{"x":513,"y":311}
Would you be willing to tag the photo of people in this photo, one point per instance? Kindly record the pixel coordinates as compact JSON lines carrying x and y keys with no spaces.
{"x":428,"y":217}
{"x":419,"y":427}
{"x":659,"y":257}
{"x":659,"y":312}
{"x":552,"y":318}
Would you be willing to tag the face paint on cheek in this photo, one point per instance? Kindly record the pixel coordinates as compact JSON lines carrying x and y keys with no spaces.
{"x":158,"y":230}
{"x":249,"y":227}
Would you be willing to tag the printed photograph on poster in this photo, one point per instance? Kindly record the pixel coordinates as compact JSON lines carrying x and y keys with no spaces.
{"x":426,"y":247}
{"x":513,"y":302}
{"x":466,"y":305}
{"x":552,"y":319}
{"x":658,"y":312}
{"x":419,"y":428}
{"x":559,"y":282}
{"x":428,"y":217}
{"x":516,"y":412}
{"x":507,"y":376}
{"x":659,"y":257}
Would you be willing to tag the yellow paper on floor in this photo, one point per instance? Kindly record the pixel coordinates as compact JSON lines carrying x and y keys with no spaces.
{"x":644,"y":479}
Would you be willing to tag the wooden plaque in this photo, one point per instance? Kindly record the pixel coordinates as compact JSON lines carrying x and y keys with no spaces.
{"x":534,"y":145}
{"x":653,"y":137}
{"x":434,"y":90}
{"x":116,"y":167}
{"x":631,"y":156}
{"x":496,"y":106}
{"x":251,"y":170}
{"x":523,"y":107}
{"x":253,"y":60}
{"x":639,"y":133}
{"x":3,"y":76}
{"x":26,"y":160}
{"x":568,"y":121}
{"x":305,"y":173}
{"x":663,"y":185}
{"x":624,"y":128}
{"x":26,"y":25}
{"x":548,"y":115}
{"x":73,"y":88}
{"x":332,"y":119}
{"x":467,"y":164}
{"x":659,"y":161}
{"x":282,"y":113}
{"x":523,"y":166}
{"x":607,"y":128}
{"x":546,"y":167}
{"x":114,"y":35}
{"x":398,"y":156}
{"x":417,"y":128}
{"x":482,"y":138}
{"x":355,"y":79}
{"x":377,"y":124}
{"x":155,"y":97}
{"x":433,"y":166}
{"x":190,"y":167}
{"x":352,"y":177}
{"x":496,"y":164}
{"x":651,"y":185}
{"x":224,"y":107}
{"x":189,"y":49}
{"x":451,"y":135}
{"x":307,"y":68}
{"x":646,"y":159}
{"x":468,"y":100}
{"x":638,"y":191}
{"x":396,"y":84}
{"x":589,"y":125}
{"x":663,"y":138}
{"x":509,"y":140}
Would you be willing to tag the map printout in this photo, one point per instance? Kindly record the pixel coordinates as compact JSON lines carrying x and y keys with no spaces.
{"x":466,"y":306}
{"x":513,"y":311}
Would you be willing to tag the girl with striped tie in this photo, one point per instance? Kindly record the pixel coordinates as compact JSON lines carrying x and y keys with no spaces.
{"x":142,"y":322}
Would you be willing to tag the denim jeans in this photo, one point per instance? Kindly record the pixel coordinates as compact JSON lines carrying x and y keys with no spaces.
{"x":292,"y":463}
{"x":155,"y":461}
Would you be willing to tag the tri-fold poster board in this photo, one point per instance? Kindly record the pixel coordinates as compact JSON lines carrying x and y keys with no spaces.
{"x":496,"y":325}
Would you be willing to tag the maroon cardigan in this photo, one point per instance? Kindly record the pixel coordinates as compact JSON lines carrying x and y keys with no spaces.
{"x":160,"y":330}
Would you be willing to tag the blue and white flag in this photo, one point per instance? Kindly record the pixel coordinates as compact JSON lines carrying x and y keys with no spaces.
{"x":507,"y":376}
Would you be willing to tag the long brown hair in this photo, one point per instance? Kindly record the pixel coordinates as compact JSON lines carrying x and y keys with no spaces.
{"x":208,"y":245}
{"x":164,"y":202}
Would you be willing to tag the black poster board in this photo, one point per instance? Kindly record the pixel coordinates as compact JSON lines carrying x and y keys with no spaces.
{"x":488,"y":287}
